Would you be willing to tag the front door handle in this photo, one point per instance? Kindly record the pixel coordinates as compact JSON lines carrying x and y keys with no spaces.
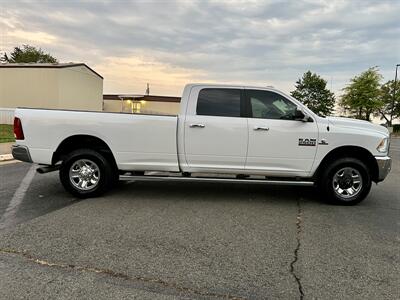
{"x":197,"y":125}
{"x":265,"y":128}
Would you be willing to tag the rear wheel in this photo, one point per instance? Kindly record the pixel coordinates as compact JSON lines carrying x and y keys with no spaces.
{"x":86,"y":173}
{"x":346,"y":181}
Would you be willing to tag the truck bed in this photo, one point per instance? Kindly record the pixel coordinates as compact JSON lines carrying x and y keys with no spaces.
{"x":136,"y":140}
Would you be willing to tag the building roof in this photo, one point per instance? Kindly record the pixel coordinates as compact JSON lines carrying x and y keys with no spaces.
{"x":141,"y":97}
{"x":48,"y":66}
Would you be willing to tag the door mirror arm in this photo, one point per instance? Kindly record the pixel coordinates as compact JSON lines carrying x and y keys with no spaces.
{"x":301,"y":115}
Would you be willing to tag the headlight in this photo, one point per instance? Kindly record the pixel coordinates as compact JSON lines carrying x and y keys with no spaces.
{"x":383,"y":145}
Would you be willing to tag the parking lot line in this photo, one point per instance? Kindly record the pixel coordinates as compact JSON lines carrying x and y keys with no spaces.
{"x":12,"y":208}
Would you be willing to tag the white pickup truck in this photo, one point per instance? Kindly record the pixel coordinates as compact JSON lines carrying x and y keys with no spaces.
{"x":224,"y":133}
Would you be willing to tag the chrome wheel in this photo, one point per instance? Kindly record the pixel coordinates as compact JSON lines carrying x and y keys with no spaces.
{"x":347,"y":182}
{"x":84,"y":174}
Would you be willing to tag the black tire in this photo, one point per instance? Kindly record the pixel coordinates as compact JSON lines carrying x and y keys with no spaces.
{"x":105,"y":170}
{"x":330,"y":189}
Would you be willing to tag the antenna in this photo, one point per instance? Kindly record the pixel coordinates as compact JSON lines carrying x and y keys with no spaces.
{"x":148,"y":89}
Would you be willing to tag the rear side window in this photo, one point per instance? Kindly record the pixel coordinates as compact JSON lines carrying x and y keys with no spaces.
{"x":219,"y":102}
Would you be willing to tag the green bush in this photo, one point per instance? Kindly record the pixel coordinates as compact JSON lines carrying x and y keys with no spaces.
{"x":396,"y":128}
{"x":6,"y":133}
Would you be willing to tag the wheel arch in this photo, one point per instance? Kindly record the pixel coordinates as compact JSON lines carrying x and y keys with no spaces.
{"x":356,"y":152}
{"x":81,"y":141}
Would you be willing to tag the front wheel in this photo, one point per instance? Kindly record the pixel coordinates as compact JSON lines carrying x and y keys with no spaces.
{"x":86,"y":173}
{"x":346,"y":181}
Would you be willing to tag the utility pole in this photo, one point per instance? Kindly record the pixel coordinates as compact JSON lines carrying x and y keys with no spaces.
{"x":394,"y":96}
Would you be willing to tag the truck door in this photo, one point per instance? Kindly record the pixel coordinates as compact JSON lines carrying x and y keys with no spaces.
{"x":215,"y":129}
{"x":278,"y":144}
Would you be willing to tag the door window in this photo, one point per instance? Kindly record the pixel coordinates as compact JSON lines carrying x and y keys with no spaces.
{"x":270,"y":105}
{"x":219,"y":102}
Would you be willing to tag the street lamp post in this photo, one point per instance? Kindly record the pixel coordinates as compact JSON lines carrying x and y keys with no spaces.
{"x":394,"y":95}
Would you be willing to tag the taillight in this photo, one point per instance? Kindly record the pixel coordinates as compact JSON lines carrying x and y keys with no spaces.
{"x":18,"y":132}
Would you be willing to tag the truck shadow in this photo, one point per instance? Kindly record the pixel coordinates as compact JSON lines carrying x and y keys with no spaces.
{"x":192,"y":191}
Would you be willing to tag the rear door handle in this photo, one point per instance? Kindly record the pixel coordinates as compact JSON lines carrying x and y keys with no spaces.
{"x":265,"y":128}
{"x":197,"y":125}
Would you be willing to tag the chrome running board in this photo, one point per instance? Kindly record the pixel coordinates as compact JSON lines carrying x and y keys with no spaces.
{"x":214,"y":179}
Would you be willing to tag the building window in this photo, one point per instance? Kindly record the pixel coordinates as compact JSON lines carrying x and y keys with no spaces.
{"x":136,"y":106}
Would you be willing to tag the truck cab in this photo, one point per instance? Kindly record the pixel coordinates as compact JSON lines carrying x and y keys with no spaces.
{"x":246,"y":130}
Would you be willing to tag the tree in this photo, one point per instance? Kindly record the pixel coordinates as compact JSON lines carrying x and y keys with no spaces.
{"x":311,"y":90}
{"x":362,"y":97}
{"x":387,"y":93}
{"x":28,"y":54}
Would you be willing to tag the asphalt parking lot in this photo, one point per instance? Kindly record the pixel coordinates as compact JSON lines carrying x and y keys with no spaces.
{"x":195,"y":241}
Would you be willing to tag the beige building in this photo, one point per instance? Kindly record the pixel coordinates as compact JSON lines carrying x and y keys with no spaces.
{"x":72,"y":86}
{"x":61,"y":86}
{"x":141,"y":104}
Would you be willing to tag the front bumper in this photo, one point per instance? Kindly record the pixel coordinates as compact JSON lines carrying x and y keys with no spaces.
{"x":20,"y":152}
{"x":384,"y":166}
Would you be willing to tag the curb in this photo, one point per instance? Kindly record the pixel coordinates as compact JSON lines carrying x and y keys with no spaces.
{"x":6,"y":157}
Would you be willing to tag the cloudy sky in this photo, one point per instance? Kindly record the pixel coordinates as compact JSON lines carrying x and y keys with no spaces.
{"x":170,"y":43}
